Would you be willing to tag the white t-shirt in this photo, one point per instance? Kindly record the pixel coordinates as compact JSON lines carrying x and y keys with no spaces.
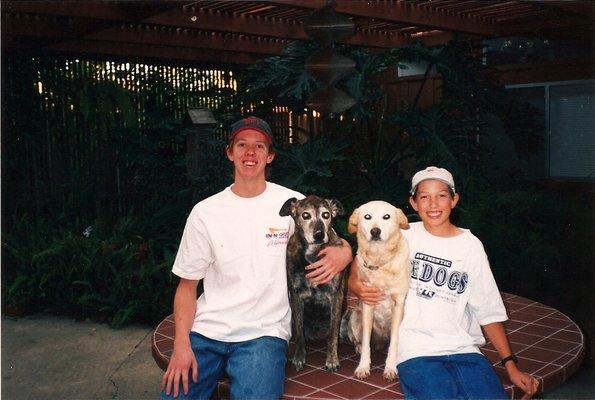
{"x":237,"y":245}
{"x":452,"y":293}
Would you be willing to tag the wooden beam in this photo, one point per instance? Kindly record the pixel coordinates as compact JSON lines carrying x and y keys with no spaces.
{"x":132,"y":11}
{"x":253,"y":25}
{"x":186,"y":38}
{"x":585,"y":8}
{"x":197,"y":18}
{"x":564,"y":26}
{"x":144,"y":34}
{"x":153,"y":51}
{"x":403,"y":13}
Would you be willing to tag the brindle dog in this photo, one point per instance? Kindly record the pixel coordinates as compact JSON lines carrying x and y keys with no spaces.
{"x":313,"y":218}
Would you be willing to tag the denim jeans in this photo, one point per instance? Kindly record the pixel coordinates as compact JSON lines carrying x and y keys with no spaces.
{"x":459,"y":376}
{"x":256,"y":368}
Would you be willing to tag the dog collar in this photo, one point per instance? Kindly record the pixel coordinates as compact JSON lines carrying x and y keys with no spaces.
{"x":364,"y":264}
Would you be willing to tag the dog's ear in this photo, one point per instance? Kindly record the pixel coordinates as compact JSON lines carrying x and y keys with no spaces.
{"x":287,"y":207}
{"x":336,"y":207}
{"x":352,"y":227}
{"x":402,"y":219}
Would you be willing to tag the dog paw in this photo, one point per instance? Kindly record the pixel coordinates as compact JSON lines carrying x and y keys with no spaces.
{"x":299,"y":362}
{"x":331,"y":365}
{"x":390,"y":374}
{"x":362,"y":372}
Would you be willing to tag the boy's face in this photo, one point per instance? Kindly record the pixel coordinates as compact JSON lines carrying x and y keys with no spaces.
{"x":433,"y":202}
{"x":250,"y":154}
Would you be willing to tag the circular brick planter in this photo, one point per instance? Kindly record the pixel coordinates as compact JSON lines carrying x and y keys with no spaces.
{"x":549,"y":345}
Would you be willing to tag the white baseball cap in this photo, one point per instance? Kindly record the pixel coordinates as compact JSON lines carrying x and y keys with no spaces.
{"x":439,"y":174}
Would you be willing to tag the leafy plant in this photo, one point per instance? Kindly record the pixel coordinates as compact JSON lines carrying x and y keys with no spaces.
{"x":307,"y":167}
{"x":520,"y":237}
{"x":79,"y":252}
{"x":72,"y":269}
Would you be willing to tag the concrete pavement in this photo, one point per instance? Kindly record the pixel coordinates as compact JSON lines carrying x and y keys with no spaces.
{"x":48,"y":357}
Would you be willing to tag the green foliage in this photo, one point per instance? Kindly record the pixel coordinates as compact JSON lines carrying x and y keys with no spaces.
{"x":384,"y":144}
{"x":308,"y":167}
{"x":106,"y":158}
{"x":520,"y":236}
{"x":119,"y":270}
{"x":67,"y":267}
{"x":273,"y":76}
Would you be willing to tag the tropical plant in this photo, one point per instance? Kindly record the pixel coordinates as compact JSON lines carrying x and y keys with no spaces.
{"x":76,"y":251}
{"x":308,"y":167}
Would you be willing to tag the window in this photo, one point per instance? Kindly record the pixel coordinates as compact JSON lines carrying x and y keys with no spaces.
{"x":569,"y":121}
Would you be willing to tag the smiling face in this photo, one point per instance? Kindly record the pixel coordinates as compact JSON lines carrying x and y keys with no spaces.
{"x":434,"y":202}
{"x":250,"y":153}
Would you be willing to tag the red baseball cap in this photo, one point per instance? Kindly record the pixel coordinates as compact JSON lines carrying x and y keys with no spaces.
{"x":253,"y":123}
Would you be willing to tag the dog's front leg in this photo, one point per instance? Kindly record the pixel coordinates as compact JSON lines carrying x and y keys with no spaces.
{"x":297,"y":308}
{"x":363,"y":369}
{"x":390,"y":366}
{"x":332,"y":357}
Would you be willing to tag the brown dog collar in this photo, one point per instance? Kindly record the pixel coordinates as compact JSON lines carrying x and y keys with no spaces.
{"x":364,"y":264}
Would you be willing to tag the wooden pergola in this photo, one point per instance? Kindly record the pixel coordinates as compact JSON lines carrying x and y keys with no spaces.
{"x":242,"y":32}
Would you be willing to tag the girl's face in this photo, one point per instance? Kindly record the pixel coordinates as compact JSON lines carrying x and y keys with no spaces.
{"x":434,"y":202}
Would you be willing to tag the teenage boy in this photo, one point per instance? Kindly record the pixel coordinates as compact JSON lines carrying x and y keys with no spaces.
{"x":235,"y":242}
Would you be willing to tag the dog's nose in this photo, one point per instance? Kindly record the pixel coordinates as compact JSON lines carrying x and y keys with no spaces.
{"x":375,"y":232}
{"x":319,"y":236}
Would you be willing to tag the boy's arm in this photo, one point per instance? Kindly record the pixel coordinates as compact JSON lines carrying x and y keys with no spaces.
{"x":497,"y":335}
{"x":182,"y":360}
{"x":331,"y":261}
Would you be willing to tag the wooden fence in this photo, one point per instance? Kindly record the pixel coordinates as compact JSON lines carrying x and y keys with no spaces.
{"x":66,"y":122}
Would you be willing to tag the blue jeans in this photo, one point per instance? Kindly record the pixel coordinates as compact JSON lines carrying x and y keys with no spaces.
{"x":256,"y":368}
{"x":459,"y":376}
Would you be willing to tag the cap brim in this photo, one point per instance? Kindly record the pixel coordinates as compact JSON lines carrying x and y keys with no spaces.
{"x":251,"y":128}
{"x":436,"y":179}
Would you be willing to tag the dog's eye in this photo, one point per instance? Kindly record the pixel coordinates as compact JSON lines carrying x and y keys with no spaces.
{"x":326,"y":215}
{"x":386,"y":216}
{"x":306,"y":215}
{"x":367,"y":216}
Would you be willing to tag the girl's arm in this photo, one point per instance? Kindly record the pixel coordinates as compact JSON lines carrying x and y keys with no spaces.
{"x":497,"y":335}
{"x":368,"y":294}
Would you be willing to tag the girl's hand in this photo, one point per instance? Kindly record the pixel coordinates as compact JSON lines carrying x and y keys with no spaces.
{"x":523,"y":380}
{"x":370,"y":295}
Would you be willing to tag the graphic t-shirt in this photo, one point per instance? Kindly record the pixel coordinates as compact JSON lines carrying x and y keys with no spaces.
{"x":237,"y":245}
{"x":452,"y":293}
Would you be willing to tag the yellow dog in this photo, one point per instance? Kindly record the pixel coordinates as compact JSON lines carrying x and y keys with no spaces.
{"x":383,"y":260}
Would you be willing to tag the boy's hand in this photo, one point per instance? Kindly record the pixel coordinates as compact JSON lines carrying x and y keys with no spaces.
{"x":331,"y":261}
{"x":182,"y":362}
